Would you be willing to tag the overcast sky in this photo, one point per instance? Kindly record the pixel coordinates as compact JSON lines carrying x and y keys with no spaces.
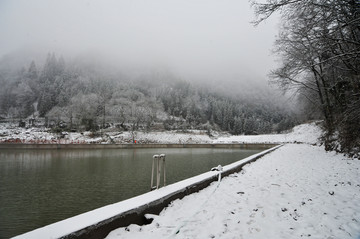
{"x":194,"y":38}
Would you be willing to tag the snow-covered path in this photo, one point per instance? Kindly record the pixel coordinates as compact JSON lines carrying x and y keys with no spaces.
{"x":296,"y":191}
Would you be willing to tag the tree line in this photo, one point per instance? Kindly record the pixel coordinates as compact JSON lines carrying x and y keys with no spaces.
{"x":78,"y":98}
{"x":319,"y":45}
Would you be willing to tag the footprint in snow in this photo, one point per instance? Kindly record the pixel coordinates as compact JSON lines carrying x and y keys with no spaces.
{"x":250,"y":222}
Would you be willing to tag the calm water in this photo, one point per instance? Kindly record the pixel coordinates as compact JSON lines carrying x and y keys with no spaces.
{"x":39,"y":187}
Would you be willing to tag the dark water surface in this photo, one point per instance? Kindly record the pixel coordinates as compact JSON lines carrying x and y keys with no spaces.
{"x":39,"y":187}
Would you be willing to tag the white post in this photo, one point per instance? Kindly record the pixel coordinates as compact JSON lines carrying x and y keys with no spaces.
{"x":164,"y":173}
{"x":158,"y":174}
{"x":160,"y":163}
{"x":162,"y":156}
{"x":155,"y":158}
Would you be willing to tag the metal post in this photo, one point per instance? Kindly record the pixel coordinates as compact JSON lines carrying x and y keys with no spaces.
{"x":162,"y":156}
{"x":160,"y":163}
{"x":155,"y":158}
{"x":158,"y":174}
{"x":152,"y":174}
{"x":164,"y":173}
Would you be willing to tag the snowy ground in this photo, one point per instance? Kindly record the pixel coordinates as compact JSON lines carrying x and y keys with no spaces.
{"x":306,"y":133}
{"x":297,"y":191}
{"x":13,"y":134}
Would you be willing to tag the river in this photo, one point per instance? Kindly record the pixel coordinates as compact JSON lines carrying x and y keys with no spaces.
{"x":39,"y":187}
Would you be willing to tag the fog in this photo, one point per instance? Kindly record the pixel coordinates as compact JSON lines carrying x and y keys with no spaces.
{"x":186,"y":64}
{"x":208,"y":40}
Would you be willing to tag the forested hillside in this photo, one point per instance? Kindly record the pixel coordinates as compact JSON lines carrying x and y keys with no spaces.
{"x":76,"y":96}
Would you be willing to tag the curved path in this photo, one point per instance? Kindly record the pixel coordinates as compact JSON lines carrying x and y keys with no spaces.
{"x":296,"y":191}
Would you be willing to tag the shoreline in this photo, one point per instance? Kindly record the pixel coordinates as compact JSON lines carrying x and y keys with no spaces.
{"x":298,"y":190}
{"x":98,"y":223}
{"x":137,"y":146}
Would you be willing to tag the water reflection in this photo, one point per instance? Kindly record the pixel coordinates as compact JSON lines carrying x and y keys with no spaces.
{"x":39,"y":187}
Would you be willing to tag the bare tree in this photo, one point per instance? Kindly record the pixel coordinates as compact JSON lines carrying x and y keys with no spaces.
{"x":319,"y":44}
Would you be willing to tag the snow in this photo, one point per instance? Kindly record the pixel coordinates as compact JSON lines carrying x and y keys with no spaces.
{"x":296,"y":191}
{"x":304,"y":133}
{"x":174,"y":137}
{"x":10,"y":133}
{"x":299,"y":190}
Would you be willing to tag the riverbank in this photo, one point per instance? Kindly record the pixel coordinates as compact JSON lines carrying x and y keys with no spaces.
{"x":305,"y":133}
{"x":100,"y":222}
{"x":297,"y":191}
{"x":13,"y":146}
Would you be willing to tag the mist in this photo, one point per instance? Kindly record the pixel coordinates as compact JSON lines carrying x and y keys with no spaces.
{"x":199,"y":40}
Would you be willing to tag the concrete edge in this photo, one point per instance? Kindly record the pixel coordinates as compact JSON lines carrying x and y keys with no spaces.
{"x":137,"y":215}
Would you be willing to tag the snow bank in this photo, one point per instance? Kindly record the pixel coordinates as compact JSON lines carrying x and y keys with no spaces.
{"x":34,"y":135}
{"x":305,"y":133}
{"x":174,"y":137}
{"x":296,"y":191}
